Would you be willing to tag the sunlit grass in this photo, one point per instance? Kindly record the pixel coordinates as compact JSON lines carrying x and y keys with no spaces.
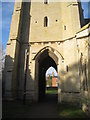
{"x":51,"y":91}
{"x":68,"y":111}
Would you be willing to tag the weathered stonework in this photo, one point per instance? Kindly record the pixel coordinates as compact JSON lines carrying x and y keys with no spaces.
{"x":84,"y":65}
{"x":62,"y":44}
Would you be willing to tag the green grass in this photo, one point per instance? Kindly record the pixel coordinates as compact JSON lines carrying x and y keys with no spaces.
{"x":17,"y":110}
{"x":68,"y":111}
{"x":51,"y":91}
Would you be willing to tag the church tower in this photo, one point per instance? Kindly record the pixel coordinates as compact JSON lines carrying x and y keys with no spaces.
{"x":54,"y":21}
{"x":42,"y":35}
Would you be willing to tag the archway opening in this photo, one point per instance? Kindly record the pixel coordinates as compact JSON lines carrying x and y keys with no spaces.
{"x":44,"y":64}
{"x":51,"y":80}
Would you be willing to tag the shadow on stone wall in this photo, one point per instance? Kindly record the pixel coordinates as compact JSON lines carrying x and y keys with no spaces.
{"x":14,"y":71}
{"x":7,"y":69}
{"x":24,"y":51}
{"x":12,"y":86}
{"x":74,"y":83}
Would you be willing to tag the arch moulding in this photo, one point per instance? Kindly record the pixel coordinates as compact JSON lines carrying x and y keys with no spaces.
{"x":59,"y":60}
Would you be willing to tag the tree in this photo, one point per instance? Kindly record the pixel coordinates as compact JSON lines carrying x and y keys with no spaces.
{"x":2,"y":59}
{"x":49,"y":81}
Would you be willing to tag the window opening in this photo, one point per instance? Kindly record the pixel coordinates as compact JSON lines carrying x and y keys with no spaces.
{"x":45,"y":21}
{"x":64,"y":27}
{"x":45,"y":1}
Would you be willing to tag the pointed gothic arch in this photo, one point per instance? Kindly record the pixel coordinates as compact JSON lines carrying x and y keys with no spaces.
{"x":52,"y":52}
{"x":45,"y":58}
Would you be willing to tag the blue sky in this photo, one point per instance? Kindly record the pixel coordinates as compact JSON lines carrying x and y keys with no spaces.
{"x":0,"y":21}
{"x":7,"y":11}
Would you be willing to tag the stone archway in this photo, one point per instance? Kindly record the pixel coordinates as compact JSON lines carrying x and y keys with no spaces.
{"x":44,"y":64}
{"x":43,"y":60}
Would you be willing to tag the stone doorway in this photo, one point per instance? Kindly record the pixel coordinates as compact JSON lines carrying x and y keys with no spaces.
{"x":44,"y":64}
{"x":45,"y":58}
{"x":43,"y":61}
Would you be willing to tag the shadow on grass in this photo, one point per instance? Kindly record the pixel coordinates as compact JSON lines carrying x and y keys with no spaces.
{"x":16,"y":109}
{"x":70,"y":111}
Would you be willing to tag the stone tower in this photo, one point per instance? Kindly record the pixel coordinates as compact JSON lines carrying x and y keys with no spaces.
{"x":43,"y":35}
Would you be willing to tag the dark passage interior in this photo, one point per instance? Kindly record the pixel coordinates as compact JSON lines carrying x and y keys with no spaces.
{"x":44,"y":63}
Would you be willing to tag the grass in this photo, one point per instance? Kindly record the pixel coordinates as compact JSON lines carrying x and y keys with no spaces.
{"x":14,"y":109}
{"x":51,"y":91}
{"x":70,"y":111}
{"x":66,"y":110}
{"x":17,"y":109}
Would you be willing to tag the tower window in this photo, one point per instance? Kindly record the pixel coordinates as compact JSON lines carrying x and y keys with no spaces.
{"x":64,"y":27}
{"x":45,"y":21}
{"x":45,"y":1}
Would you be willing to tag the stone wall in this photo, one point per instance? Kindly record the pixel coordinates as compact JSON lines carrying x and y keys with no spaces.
{"x":84,"y":65}
{"x":63,"y":21}
{"x":69,"y":49}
